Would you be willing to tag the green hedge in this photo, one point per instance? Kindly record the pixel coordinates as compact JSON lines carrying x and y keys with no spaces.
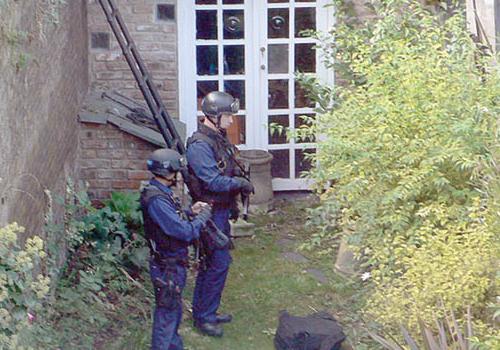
{"x":408,"y":147}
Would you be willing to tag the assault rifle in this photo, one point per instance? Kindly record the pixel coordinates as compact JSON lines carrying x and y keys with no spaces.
{"x":244,"y":171}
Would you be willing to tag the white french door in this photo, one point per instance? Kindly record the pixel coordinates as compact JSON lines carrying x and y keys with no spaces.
{"x":252,"y":50}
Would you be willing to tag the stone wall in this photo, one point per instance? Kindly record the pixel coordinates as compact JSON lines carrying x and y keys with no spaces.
{"x":44,"y":79}
{"x":155,"y":38}
{"x":112,"y":160}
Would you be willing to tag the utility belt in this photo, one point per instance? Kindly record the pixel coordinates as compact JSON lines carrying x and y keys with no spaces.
{"x":164,"y":262}
{"x":223,"y":205}
{"x":166,"y":288}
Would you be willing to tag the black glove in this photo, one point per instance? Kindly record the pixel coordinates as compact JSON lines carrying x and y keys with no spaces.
{"x":246,"y":186}
{"x":205,"y":214}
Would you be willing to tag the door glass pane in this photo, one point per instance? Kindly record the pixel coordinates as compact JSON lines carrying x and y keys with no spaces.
{"x":277,"y":126}
{"x":301,"y":99}
{"x":237,"y":131}
{"x":203,"y":88}
{"x":206,"y":2}
{"x":206,"y":24}
{"x":278,"y":94}
{"x":303,"y":120}
{"x":234,"y":24}
{"x":305,"y":18}
{"x":280,"y":165}
{"x":305,"y":58}
{"x":233,"y":2}
{"x":278,"y":58}
{"x":236,"y":88}
{"x":302,"y":161}
{"x":206,"y":60}
{"x":234,"y":59}
{"x":278,"y":23}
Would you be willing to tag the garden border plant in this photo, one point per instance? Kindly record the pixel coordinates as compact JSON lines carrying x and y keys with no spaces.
{"x":409,"y":140}
{"x":105,"y":256}
{"x":23,"y":285}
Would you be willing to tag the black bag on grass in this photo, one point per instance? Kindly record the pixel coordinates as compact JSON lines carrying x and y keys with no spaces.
{"x":319,"y":331}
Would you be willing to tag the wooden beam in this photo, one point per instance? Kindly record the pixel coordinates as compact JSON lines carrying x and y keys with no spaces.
{"x":497,"y":25}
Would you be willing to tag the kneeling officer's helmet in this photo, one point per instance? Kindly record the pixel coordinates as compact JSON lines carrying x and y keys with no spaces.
{"x":164,"y":162}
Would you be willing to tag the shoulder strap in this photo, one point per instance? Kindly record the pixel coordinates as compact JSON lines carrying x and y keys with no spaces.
{"x":150,"y":192}
{"x":199,"y":136}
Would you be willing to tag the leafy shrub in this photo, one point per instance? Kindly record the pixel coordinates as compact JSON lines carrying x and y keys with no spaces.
{"x":408,"y":145}
{"x":109,"y":232}
{"x":128,"y":206}
{"x":455,"y":263}
{"x":450,"y":335}
{"x":103,"y":267}
{"x":22,"y":285}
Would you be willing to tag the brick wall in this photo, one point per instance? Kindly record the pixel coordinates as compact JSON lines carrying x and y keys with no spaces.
{"x":43,"y":81}
{"x":112,"y":160}
{"x":156,"y":40}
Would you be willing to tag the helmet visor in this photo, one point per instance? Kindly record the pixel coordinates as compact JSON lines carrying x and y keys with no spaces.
{"x":174,"y":164}
{"x":235,"y":106}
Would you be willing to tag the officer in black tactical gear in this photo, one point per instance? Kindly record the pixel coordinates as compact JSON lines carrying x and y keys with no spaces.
{"x":169,"y":233}
{"x":215,"y":179}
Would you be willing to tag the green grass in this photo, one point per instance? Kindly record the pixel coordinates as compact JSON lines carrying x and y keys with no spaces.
{"x":261,"y":283}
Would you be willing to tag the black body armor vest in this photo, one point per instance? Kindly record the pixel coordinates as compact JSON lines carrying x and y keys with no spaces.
{"x":224,"y":153}
{"x":159,"y":241}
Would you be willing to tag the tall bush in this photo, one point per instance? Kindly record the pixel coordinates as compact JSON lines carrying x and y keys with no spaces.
{"x":408,"y":145}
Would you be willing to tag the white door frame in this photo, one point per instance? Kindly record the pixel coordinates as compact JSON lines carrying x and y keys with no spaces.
{"x":256,"y":78}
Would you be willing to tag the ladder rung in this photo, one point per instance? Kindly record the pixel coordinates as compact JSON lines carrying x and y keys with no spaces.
{"x":144,"y":80}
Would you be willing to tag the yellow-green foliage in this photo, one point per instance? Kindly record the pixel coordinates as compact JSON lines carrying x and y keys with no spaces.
{"x":453,"y":265}
{"x":22,"y":285}
{"x":409,"y":148}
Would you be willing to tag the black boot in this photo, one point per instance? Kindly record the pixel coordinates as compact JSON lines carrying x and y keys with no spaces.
{"x":211,"y":329}
{"x":223,"y":318}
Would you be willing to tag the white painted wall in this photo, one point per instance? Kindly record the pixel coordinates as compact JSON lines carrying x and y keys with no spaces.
{"x":485,"y":10}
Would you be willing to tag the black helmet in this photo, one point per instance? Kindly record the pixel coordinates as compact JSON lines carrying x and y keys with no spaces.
{"x":164,"y":162}
{"x":217,"y":102}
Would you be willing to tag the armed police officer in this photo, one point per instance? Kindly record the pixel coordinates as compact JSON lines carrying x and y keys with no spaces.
{"x":169,"y":233}
{"x":216,"y":180}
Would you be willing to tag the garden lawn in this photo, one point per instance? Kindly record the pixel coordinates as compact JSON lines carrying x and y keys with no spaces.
{"x":261,"y":283}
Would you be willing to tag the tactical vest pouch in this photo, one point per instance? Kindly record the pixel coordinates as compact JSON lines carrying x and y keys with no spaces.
{"x":194,"y":186}
{"x":167,"y":292}
{"x":213,"y":238}
{"x":319,"y":331}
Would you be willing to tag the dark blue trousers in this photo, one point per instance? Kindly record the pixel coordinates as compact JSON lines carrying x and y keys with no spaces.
{"x":166,"y":320}
{"x":210,"y":282}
